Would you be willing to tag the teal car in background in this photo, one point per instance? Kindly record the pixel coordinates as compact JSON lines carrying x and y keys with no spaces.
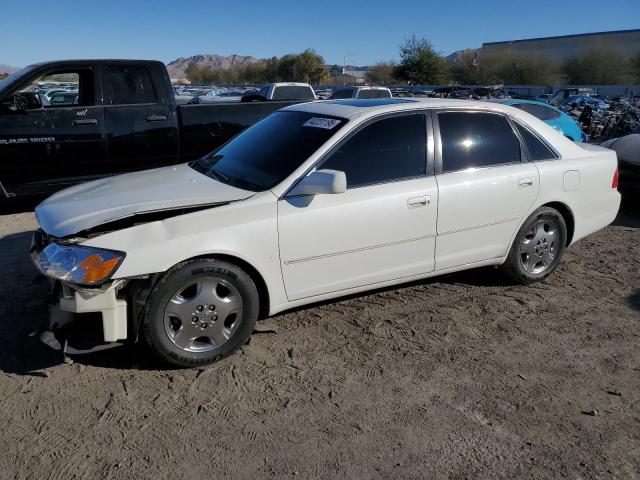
{"x":549,"y":114}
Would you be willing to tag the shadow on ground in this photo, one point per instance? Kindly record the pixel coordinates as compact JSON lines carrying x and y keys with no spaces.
{"x":629,"y":214}
{"x":633,"y":300}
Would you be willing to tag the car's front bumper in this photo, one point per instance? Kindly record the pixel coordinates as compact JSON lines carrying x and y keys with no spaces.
{"x":69,"y":299}
{"x":72,"y":299}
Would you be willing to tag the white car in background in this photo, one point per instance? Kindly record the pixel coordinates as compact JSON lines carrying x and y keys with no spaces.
{"x":318,"y":201}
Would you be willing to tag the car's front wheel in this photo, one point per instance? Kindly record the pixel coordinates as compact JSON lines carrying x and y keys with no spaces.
{"x":200,"y":310}
{"x":538,"y":246}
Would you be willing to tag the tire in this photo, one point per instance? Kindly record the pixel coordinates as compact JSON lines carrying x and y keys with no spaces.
{"x":214,"y":298}
{"x":538,"y":247}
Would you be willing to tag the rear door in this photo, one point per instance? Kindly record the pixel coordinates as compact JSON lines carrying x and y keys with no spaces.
{"x":140,"y":116}
{"x":486,"y":186}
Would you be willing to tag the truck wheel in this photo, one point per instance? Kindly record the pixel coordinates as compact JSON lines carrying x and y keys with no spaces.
{"x":538,"y":247}
{"x":200,"y":311}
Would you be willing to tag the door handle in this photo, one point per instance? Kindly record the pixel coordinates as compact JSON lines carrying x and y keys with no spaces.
{"x":525,"y":182}
{"x":85,"y":121}
{"x":156,"y":118}
{"x":415,"y":202}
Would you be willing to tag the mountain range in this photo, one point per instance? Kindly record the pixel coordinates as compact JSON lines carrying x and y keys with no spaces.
{"x":7,"y":69}
{"x":177,"y":67}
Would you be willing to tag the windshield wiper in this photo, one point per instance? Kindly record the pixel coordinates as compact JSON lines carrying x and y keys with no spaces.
{"x":219,"y":176}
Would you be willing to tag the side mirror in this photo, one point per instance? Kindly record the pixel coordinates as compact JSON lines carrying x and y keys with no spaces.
{"x":25,"y":101}
{"x":321,"y":182}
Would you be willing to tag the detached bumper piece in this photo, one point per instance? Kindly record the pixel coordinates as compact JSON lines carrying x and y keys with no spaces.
{"x":101,"y":300}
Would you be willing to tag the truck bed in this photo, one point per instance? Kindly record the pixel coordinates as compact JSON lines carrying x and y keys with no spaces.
{"x":204,"y":127}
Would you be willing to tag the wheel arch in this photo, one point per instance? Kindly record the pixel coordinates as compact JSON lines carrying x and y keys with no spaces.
{"x":256,"y":276}
{"x":567,"y":214}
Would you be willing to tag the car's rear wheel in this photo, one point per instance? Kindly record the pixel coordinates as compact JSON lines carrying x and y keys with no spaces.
{"x":538,"y":246}
{"x":201,"y":310}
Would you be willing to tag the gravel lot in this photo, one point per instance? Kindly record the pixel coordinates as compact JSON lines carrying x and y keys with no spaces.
{"x":463,"y":376}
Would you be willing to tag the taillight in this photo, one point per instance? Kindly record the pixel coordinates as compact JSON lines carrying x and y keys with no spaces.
{"x":616,"y":177}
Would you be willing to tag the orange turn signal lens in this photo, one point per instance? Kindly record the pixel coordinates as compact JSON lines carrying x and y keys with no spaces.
{"x":96,"y":268}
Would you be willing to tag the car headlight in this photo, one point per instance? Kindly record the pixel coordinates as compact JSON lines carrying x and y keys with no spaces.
{"x":78,"y":264}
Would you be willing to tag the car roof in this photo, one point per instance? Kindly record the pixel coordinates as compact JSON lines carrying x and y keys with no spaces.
{"x":352,"y":108}
{"x":362,"y":87}
{"x":518,"y":101}
{"x":290,"y":84}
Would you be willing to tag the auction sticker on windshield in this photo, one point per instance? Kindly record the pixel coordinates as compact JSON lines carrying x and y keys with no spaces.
{"x":327,"y":123}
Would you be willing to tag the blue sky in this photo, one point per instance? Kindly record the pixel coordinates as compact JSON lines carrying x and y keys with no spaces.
{"x":162,"y":29}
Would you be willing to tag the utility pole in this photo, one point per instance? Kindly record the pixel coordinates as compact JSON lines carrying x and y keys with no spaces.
{"x":344,"y":66}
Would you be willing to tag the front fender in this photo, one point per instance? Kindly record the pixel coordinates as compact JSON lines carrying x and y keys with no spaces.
{"x":247,"y":230}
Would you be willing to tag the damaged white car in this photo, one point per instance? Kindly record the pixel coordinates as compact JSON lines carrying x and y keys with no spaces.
{"x":314,"y":202}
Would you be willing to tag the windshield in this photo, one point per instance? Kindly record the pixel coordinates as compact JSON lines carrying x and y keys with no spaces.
{"x":269,"y":151}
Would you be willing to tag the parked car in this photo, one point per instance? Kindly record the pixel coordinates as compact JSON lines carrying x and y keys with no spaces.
{"x":627,"y":149}
{"x":549,"y":114}
{"x":544,"y":98}
{"x":317,"y":201}
{"x":186,"y":97}
{"x":287,"y":91}
{"x":595,"y":103}
{"x":323,"y":93}
{"x":125,"y":119}
{"x":361,"y":92}
{"x":63,"y":99}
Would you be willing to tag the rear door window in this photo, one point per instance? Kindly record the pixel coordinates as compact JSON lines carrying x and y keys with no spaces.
{"x":129,"y":84}
{"x":537,"y":150}
{"x":475,"y":140}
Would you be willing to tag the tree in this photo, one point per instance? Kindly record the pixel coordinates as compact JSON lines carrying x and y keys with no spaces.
{"x":310,"y":67}
{"x":599,"y":65}
{"x":381,"y":73}
{"x":466,"y":69}
{"x":517,"y":68}
{"x":420,"y":63}
{"x":192,"y":72}
{"x":304,"y":67}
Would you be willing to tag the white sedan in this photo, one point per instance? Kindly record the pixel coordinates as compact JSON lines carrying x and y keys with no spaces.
{"x":318,"y":201}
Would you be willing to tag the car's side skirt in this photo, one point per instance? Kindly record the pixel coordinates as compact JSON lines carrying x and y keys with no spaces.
{"x":343,"y":293}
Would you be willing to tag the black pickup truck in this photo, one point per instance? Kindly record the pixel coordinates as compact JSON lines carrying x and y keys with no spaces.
{"x":112,"y":116}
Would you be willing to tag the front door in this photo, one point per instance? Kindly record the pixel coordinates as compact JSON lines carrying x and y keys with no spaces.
{"x":58,"y":139}
{"x":382,"y":228}
{"x":485,"y":184}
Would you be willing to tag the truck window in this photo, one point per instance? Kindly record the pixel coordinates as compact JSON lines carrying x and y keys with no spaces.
{"x":292,"y":92}
{"x":368,"y":94}
{"x":64,"y":88}
{"x":343,"y":93}
{"x":129,"y":84}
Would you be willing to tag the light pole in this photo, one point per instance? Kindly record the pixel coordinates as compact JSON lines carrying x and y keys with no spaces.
{"x":344,"y":66}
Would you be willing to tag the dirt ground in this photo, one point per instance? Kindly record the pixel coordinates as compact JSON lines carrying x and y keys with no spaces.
{"x":464,"y":376}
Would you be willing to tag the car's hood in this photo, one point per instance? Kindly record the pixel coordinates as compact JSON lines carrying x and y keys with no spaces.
{"x":91,"y":204}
